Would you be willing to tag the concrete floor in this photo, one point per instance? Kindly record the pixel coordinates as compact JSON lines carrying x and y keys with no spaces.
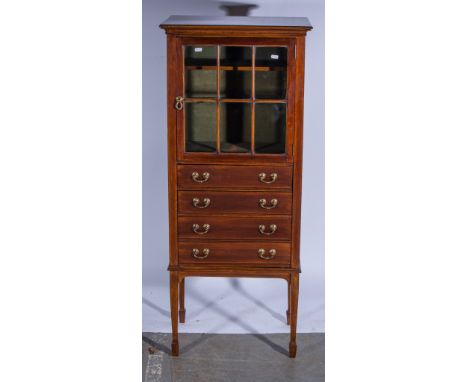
{"x":234,"y":358}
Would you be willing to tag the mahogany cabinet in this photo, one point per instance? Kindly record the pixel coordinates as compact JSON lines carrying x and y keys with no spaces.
{"x":234,"y":111}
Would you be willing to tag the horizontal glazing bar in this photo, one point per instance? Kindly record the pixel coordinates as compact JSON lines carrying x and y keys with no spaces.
{"x":235,"y":100}
{"x":243,"y":100}
{"x":239,"y":68}
{"x":271,"y":101}
{"x":200,"y":100}
{"x":254,"y":100}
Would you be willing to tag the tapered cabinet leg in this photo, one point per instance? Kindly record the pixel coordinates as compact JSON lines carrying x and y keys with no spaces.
{"x":182,"y":301}
{"x":293,"y":310}
{"x":174,"y":287}
{"x":289,"y":303}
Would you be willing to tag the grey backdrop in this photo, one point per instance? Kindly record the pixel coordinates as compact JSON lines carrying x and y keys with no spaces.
{"x":255,"y":300}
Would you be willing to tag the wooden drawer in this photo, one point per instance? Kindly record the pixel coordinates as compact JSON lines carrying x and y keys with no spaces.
{"x":226,"y":227}
{"x":246,"y":202}
{"x":261,"y":253}
{"x":234,"y":176}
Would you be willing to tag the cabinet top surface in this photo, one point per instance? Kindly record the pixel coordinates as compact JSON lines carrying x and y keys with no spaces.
{"x":293,"y":22}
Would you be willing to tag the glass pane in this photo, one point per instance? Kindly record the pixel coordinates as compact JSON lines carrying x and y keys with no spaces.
{"x":200,"y":126}
{"x":235,"y":127}
{"x":270,"y":128}
{"x":270,"y":72}
{"x":235,"y":72}
{"x":200,"y":71}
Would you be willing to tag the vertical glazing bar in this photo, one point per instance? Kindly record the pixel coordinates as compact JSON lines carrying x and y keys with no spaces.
{"x":181,"y":123}
{"x":218,"y":112}
{"x":252,"y":106}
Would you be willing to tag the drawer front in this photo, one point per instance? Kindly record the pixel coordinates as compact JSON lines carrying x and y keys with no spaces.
{"x":261,"y":253}
{"x":225,"y":227}
{"x":256,"y":202}
{"x":206,"y":176}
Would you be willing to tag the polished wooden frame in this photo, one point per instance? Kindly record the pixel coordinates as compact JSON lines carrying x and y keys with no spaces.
{"x":183,"y":157}
{"x":294,"y":38}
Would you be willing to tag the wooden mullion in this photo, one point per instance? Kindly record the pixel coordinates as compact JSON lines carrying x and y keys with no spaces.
{"x":252,"y":106}
{"x":218,"y":111}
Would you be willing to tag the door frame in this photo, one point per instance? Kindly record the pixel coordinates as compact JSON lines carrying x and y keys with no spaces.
{"x":250,"y":158}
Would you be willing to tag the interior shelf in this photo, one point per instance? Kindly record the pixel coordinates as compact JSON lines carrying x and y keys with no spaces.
{"x":203,"y":146}
{"x":269,"y":148}
{"x":260,"y":147}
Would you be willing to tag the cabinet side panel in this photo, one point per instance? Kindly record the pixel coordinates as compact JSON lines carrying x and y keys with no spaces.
{"x":298,"y":134}
{"x":171,"y":146}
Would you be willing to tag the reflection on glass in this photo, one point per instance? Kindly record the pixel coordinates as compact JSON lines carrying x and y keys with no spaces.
{"x":235,"y":83}
{"x":270,"y":72}
{"x":200,"y":71}
{"x":200,"y":126}
{"x":235,"y":72}
{"x":270,"y":128}
{"x":235,"y":127}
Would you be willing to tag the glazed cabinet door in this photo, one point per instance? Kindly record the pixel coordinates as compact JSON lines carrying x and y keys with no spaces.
{"x":235,"y":99}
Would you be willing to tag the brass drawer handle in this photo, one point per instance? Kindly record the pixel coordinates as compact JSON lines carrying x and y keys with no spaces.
{"x":196,"y":253}
{"x":196,"y":202}
{"x":179,"y":104}
{"x":273,"y":228}
{"x":196,"y":227}
{"x":273,"y":177}
{"x":203,"y":179}
{"x":261,"y":253}
{"x":263,"y":203}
